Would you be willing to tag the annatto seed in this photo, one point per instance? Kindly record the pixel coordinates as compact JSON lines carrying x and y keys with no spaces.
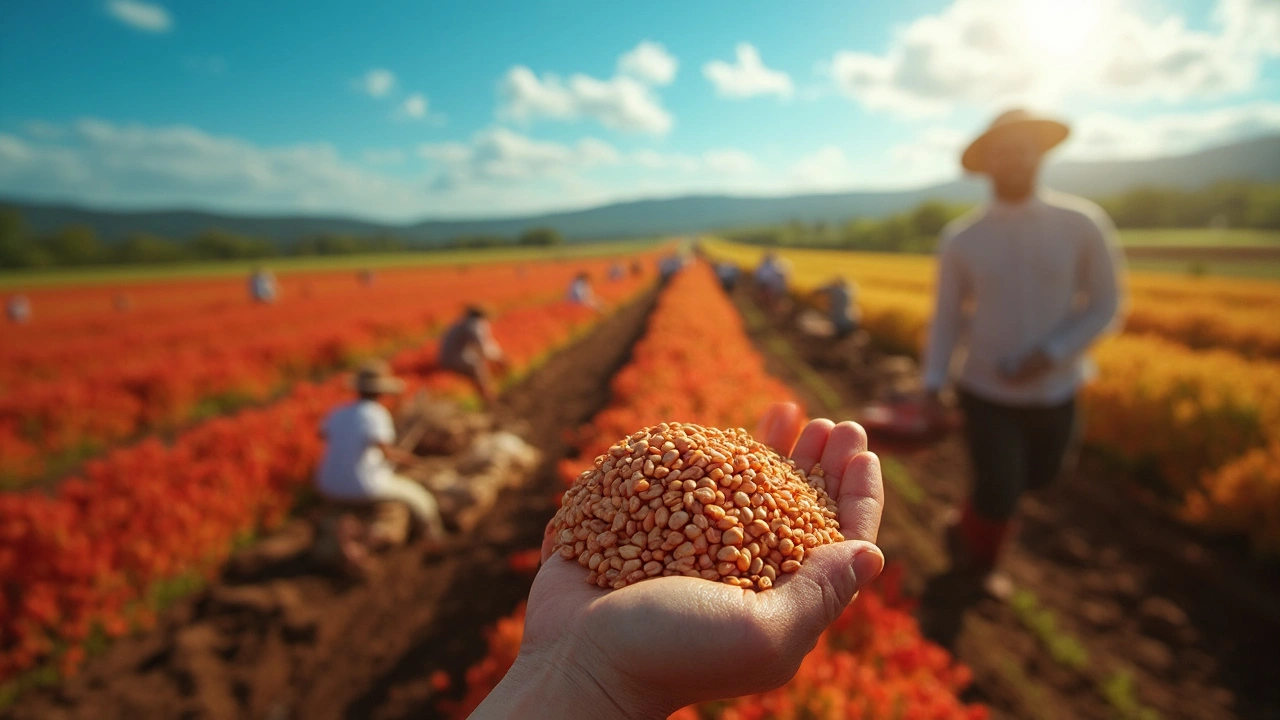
{"x":729,"y":509}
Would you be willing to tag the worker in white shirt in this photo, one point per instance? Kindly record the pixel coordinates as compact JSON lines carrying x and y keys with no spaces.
{"x":18,"y":309}
{"x":772,"y":277}
{"x":468,"y":348}
{"x":262,"y":286}
{"x":580,"y":292}
{"x":1034,"y":278}
{"x":359,"y":449}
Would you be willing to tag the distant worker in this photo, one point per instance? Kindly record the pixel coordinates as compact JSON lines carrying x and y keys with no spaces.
{"x":581,"y":293}
{"x":636,"y":268}
{"x":19,"y":309}
{"x":841,"y":308}
{"x":771,"y":277}
{"x":617,"y":272}
{"x":262,"y":286}
{"x":468,"y":348}
{"x":669,"y":266}
{"x":122,"y":302}
{"x":728,"y":274}
{"x":1033,"y":278}
{"x":365,"y":277}
{"x":359,"y":451}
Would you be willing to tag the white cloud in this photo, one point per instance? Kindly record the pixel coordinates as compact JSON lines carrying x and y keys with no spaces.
{"x":42,"y":130}
{"x":730,"y":162}
{"x":414,"y":106}
{"x":931,"y":156}
{"x":720,"y":161}
{"x":622,"y":102}
{"x":383,"y":156}
{"x":378,"y":82}
{"x":649,"y":62}
{"x":748,"y":77}
{"x":1103,"y":135}
{"x":503,"y":156}
{"x":103,"y":163}
{"x":144,"y":16}
{"x":982,"y":53}
{"x":827,"y":168}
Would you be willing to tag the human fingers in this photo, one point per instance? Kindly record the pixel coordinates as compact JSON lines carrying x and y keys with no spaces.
{"x":860,"y":498}
{"x":548,"y":540}
{"x":813,"y":441}
{"x":780,"y":425}
{"x":847,"y":439}
{"x":812,"y":598}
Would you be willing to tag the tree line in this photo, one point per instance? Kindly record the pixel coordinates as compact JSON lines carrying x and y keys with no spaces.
{"x":79,"y":245}
{"x":1224,"y":205}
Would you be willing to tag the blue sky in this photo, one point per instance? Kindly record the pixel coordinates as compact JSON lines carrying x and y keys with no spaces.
{"x":404,"y":110}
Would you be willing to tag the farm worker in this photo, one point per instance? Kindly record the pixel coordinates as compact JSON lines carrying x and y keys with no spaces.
{"x":1034,"y":277}
{"x":617,"y":272}
{"x":669,"y":266}
{"x":649,"y":649}
{"x":359,"y":449}
{"x":841,"y":310}
{"x":262,"y":286}
{"x":365,"y":277}
{"x":467,"y":349}
{"x":727,"y":273}
{"x":580,"y":292}
{"x":19,"y":309}
{"x":771,"y":276}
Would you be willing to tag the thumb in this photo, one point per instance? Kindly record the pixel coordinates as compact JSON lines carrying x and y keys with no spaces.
{"x":827,"y":582}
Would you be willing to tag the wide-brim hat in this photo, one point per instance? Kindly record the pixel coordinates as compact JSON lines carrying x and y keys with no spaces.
{"x":375,"y":377}
{"x":1047,"y":131}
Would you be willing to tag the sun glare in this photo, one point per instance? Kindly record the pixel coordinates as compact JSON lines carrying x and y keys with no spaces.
{"x":1061,"y":29}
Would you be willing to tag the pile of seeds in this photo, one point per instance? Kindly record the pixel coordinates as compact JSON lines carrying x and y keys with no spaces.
{"x":681,"y":499}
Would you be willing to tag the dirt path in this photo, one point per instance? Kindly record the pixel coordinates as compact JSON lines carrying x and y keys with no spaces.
{"x":1110,"y":588}
{"x":275,"y":640}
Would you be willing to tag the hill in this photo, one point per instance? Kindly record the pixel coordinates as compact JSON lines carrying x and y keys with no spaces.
{"x":1251,"y":160}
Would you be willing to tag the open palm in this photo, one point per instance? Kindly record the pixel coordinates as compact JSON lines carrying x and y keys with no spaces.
{"x":663,"y":643}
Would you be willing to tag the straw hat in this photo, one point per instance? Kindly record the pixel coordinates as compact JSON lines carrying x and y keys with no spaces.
{"x":1049,"y":132}
{"x":375,"y":376}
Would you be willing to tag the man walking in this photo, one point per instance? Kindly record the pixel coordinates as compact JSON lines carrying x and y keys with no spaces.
{"x":1033,"y":279}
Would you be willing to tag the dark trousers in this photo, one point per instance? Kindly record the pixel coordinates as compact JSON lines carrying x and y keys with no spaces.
{"x":1015,"y":449}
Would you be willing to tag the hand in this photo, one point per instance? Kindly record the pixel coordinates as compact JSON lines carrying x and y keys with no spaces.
{"x":651,"y":648}
{"x":1028,"y":368}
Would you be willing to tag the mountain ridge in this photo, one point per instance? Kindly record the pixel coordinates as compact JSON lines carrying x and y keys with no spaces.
{"x":1257,"y":160}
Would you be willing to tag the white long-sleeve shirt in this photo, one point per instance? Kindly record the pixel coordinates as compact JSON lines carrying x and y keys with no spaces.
{"x":1039,"y":275}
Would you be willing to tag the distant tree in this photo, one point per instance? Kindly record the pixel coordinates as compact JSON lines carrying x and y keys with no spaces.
{"x":146,"y":248}
{"x":541,"y":237}
{"x":16,"y":249}
{"x":74,"y":245}
{"x":930,"y":217}
{"x":217,"y":244}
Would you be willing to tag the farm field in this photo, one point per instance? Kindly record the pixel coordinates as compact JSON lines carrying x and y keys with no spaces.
{"x":61,"y":277}
{"x":166,"y":575}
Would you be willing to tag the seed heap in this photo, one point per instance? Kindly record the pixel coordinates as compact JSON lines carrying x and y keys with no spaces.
{"x":681,"y":499}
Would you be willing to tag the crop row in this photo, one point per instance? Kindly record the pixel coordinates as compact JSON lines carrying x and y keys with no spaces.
{"x":1199,"y":313}
{"x":1205,"y":419}
{"x":80,"y":563}
{"x":695,"y":363}
{"x":75,"y":384}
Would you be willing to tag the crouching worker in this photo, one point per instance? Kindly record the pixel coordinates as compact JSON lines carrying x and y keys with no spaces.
{"x":467,"y":349}
{"x":359,"y":448}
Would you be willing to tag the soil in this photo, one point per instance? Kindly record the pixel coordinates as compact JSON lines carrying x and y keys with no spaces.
{"x":275,"y":638}
{"x":1193,"y":621}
